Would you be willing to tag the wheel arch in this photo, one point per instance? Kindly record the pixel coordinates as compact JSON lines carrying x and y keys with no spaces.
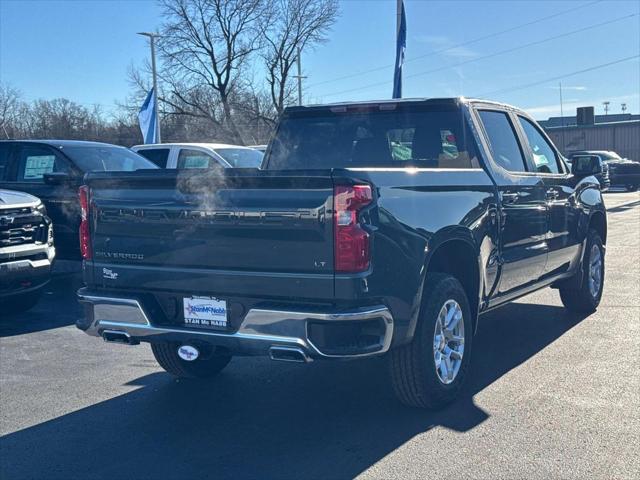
{"x":455,"y":253}
{"x":598,"y":222}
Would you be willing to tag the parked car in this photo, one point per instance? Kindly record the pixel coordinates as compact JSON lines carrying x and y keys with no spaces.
{"x":340,"y":248}
{"x":26,"y":250}
{"x":52,"y":170}
{"x":622,"y":171}
{"x":200,"y":155}
{"x":603,"y":177}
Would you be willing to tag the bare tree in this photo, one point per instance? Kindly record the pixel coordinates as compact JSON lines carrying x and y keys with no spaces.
{"x":10,"y":106}
{"x":297,"y":24}
{"x":205,"y":45}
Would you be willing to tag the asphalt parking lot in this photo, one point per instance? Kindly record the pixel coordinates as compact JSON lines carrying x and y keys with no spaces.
{"x":550,"y":395}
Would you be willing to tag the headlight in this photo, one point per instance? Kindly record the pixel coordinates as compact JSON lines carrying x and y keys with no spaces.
{"x":41,"y":208}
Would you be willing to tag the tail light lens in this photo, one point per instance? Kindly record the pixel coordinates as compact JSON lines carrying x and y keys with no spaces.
{"x":85,"y":235}
{"x":351,"y":240}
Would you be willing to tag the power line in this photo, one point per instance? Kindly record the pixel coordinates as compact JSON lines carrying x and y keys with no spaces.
{"x":559,"y":77}
{"x":484,"y":57}
{"x":463,"y":44}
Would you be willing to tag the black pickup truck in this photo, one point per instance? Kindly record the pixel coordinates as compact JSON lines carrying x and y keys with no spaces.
{"x":52,"y":170}
{"x":373,"y":228}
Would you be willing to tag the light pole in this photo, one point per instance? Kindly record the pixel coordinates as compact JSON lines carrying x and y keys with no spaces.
{"x":152,"y":38}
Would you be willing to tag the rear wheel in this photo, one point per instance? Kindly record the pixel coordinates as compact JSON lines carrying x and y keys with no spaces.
{"x":631,"y":188}
{"x":204,"y":366}
{"x":583,"y":294}
{"x":430,"y":371}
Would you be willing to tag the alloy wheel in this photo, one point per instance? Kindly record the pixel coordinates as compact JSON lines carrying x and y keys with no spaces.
{"x":448,"y":341}
{"x":595,"y":271}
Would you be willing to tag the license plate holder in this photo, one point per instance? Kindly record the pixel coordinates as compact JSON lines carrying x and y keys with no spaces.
{"x":205,"y":312}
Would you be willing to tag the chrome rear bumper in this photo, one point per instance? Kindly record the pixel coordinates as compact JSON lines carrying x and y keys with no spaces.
{"x":260,"y":330}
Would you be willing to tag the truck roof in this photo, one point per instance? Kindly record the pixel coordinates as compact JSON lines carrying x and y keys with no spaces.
{"x":64,"y":143}
{"x":418,"y":100}
{"x":190,"y":144}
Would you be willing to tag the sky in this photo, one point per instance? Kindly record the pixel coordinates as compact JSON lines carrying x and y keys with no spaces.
{"x":512,"y":51}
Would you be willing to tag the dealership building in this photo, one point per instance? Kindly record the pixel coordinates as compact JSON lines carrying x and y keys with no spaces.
{"x":586,"y":131}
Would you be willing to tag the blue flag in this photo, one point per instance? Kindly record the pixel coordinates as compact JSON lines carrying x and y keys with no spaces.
{"x":401,"y":44}
{"x":147,"y":119}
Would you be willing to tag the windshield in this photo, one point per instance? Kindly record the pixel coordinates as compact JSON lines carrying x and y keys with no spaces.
{"x":241,"y":157}
{"x":610,"y":156}
{"x":426,"y":137}
{"x":106,"y":158}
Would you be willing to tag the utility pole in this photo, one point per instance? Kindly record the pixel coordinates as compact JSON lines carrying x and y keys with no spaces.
{"x":152,"y":37}
{"x":606,"y":107}
{"x":299,"y":76}
{"x":623,"y":106}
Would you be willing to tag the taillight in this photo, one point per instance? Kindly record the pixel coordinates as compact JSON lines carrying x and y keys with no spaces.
{"x":85,"y":232}
{"x":351,"y":240}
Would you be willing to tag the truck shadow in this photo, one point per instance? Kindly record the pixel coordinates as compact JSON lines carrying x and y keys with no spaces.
{"x":264,"y":420}
{"x":58,"y":307}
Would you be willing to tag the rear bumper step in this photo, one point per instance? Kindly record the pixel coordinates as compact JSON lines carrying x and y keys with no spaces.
{"x":280,"y":334}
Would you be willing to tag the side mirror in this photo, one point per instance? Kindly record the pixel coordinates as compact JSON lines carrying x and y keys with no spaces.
{"x":58,"y":178}
{"x":585,"y":166}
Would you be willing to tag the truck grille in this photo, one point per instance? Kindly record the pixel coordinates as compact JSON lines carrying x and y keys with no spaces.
{"x":21,"y":226}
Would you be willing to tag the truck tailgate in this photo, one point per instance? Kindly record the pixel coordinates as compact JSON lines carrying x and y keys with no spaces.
{"x":247,"y":232}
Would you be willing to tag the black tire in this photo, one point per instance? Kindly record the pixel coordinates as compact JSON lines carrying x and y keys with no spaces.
{"x":576,"y":294}
{"x":413,"y":366}
{"x":22,"y":302}
{"x":206,"y":366}
{"x":631,"y":188}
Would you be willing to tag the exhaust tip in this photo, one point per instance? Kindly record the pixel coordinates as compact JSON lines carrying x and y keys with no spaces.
{"x":117,"y":336}
{"x":289,"y":354}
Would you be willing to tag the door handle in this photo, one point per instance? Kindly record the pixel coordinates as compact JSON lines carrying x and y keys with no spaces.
{"x":552,"y":194}
{"x":510,"y":197}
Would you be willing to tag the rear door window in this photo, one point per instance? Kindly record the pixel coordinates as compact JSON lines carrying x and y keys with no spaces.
{"x":544,"y":156}
{"x":159,"y":156}
{"x":188,"y":158}
{"x":34,"y":161}
{"x":502,"y":139}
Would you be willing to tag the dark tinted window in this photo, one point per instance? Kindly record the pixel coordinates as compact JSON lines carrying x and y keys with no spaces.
{"x":5,"y":148}
{"x":106,"y":158}
{"x":37,"y":160}
{"x":159,"y":156}
{"x":241,"y":157}
{"x":584,"y":162}
{"x":502,"y":139}
{"x":426,"y":137}
{"x":544,"y":156}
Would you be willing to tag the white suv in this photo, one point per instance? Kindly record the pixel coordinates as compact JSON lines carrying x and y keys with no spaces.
{"x":200,"y":155}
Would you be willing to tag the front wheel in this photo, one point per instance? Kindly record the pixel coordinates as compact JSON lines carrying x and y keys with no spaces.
{"x":583,"y":294}
{"x":166,"y":354}
{"x":430,"y":371}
